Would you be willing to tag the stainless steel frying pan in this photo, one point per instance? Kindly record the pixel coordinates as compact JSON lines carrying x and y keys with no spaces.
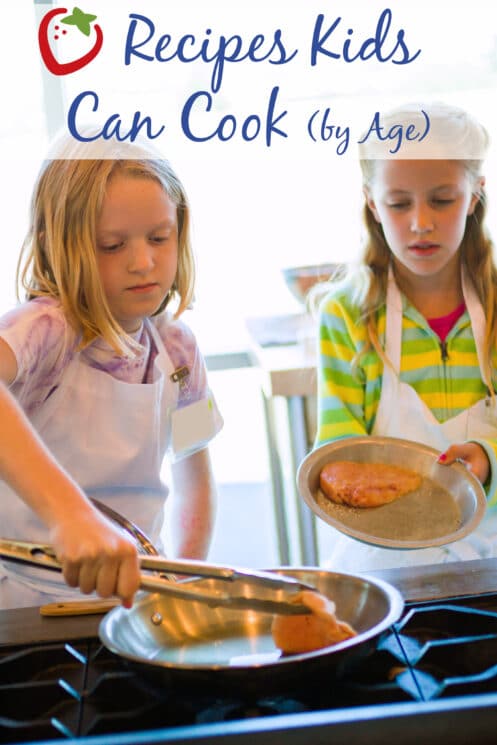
{"x":176,"y":642}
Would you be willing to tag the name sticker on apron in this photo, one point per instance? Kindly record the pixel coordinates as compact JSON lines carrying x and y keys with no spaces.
{"x":193,"y":426}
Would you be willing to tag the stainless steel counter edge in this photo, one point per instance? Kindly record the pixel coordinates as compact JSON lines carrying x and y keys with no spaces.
{"x":439,"y":581}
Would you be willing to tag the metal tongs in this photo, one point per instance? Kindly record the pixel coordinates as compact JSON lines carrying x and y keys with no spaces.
{"x":277,"y":596}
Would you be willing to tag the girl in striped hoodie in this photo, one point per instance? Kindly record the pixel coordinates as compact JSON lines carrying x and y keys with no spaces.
{"x":408,"y":339}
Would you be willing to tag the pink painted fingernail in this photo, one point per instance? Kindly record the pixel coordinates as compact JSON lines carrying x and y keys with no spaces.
{"x":442,"y":457}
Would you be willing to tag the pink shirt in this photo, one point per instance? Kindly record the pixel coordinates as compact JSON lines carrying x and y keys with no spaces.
{"x":443,"y":325}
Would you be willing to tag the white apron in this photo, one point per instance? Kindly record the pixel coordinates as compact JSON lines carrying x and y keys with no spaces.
{"x":402,"y":413}
{"x":111,"y":437}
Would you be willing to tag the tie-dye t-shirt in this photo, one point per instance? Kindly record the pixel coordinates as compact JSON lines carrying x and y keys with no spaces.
{"x":44,"y":344}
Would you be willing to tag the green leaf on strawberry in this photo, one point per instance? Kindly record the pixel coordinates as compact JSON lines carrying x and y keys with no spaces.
{"x":81,"y":20}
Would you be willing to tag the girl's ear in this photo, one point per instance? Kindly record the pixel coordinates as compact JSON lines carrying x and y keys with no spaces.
{"x":477,"y":194}
{"x":370,"y":203}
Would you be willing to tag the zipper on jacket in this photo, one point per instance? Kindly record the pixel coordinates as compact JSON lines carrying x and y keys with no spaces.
{"x":444,"y":353}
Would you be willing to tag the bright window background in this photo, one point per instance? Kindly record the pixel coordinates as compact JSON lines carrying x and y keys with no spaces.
{"x":255,"y":209}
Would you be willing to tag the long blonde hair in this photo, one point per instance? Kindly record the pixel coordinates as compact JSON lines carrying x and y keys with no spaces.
{"x":456,"y":135}
{"x":58,"y":258}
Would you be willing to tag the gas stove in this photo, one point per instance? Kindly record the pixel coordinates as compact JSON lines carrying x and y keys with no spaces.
{"x":433,"y":675}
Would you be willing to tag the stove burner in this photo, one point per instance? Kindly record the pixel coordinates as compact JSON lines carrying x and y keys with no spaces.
{"x":66,"y":691}
{"x":224,"y":711}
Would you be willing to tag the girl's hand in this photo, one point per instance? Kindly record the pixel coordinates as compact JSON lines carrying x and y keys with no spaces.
{"x":472,"y":455}
{"x":97,"y":556}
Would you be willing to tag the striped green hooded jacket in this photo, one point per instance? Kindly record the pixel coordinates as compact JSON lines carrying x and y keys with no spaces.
{"x":446,"y":377}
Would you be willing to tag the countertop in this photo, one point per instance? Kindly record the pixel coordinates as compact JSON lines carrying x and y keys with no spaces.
{"x":28,"y":626}
{"x":416,"y":584}
{"x":439,"y":581}
{"x":284,"y":348}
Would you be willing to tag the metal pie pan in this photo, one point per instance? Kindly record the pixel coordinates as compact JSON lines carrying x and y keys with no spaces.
{"x":176,"y":641}
{"x":449,"y":504}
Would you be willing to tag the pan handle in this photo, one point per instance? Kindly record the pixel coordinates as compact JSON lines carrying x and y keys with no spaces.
{"x":144,"y":542}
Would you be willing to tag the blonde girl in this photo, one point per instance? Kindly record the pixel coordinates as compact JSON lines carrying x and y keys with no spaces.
{"x":408,"y":339}
{"x":100,"y":378}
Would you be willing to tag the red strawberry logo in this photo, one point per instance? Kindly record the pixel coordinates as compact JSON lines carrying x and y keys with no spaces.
{"x":82,"y":21}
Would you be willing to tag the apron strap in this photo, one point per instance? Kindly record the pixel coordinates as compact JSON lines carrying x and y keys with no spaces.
{"x":393,"y":323}
{"x":162,"y":352}
{"x":478,"y":323}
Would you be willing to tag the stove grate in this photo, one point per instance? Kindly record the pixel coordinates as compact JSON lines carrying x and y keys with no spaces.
{"x":67,"y":691}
